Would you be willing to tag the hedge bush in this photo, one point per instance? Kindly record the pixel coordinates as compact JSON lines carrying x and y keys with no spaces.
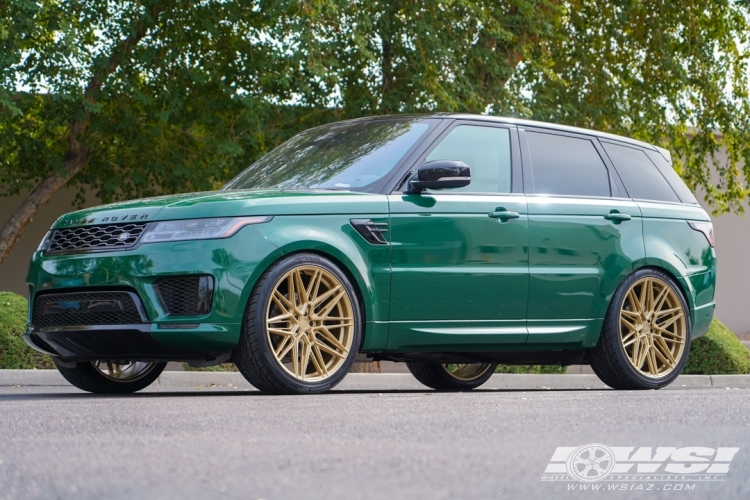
{"x":14,"y":353}
{"x":531,"y":369}
{"x":718,"y":352}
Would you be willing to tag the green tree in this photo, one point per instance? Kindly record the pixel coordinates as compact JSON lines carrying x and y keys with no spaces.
{"x":136,"y":98}
{"x":667,"y":72}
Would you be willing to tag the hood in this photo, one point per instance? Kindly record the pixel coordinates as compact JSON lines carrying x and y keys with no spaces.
{"x":231,"y":203}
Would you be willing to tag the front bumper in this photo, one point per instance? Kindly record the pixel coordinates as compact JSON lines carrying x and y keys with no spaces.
{"x":235,"y":264}
{"x":113,"y":342}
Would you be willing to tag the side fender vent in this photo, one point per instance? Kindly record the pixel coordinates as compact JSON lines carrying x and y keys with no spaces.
{"x":371,"y":231}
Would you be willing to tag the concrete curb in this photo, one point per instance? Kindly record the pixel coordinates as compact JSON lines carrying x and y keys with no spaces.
{"x":377,"y":381}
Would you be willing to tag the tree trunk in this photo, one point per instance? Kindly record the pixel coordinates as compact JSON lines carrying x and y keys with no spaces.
{"x":77,"y":155}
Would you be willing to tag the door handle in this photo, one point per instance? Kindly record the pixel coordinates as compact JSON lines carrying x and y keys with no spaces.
{"x":504,"y":215}
{"x":617,"y":217}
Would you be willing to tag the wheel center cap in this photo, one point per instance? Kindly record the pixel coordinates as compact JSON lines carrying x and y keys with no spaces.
{"x":304,"y":323}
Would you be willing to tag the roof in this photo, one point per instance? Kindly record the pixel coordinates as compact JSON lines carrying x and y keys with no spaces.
{"x":531,"y":123}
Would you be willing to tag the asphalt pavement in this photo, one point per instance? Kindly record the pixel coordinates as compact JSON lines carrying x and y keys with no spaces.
{"x":379,"y":437}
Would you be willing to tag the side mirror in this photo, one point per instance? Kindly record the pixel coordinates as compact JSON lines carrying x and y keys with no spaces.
{"x":441,"y":174}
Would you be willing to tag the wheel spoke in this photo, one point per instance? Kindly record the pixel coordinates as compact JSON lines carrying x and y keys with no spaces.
{"x":674,"y":338}
{"x":669,"y":322}
{"x":329,"y":307}
{"x":634,"y":354}
{"x":320,"y":364}
{"x":630,"y":326}
{"x":282,"y":302}
{"x":642,"y":301}
{"x":284,"y":347}
{"x":635,"y":304}
{"x":651,"y":361}
{"x":280,"y":318}
{"x":662,"y":351}
{"x":328,"y":349}
{"x":649,"y":295}
{"x":630,"y":314}
{"x":661,"y":298}
{"x":295,"y":357}
{"x":629,"y":339}
{"x":283,"y":332}
{"x":325,"y":295}
{"x":664,"y":312}
{"x":314,"y":288}
{"x":305,"y":361}
{"x":331,"y":338}
{"x":302,"y":298}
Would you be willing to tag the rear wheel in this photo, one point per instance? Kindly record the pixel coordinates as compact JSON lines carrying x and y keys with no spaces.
{"x":302,"y":327}
{"x":645,"y":338}
{"x":108,"y":377}
{"x":452,"y":377}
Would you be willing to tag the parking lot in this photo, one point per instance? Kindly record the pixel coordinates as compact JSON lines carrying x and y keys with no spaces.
{"x":377,"y":438}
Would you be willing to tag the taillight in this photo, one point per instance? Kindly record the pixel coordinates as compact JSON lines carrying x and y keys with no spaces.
{"x":704,"y":227}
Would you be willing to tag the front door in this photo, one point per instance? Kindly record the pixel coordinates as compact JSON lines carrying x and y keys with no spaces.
{"x":460,"y":256}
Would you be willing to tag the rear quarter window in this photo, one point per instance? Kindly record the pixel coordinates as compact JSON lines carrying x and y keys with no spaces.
{"x":674,"y":179}
{"x":641,"y":177}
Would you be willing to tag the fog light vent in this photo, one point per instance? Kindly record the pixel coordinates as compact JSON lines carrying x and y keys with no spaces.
{"x":185,"y":295}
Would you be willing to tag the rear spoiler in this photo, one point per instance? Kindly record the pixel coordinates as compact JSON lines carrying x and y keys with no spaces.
{"x":665,"y":153}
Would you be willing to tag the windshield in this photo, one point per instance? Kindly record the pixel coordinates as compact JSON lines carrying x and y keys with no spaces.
{"x":352,"y":155}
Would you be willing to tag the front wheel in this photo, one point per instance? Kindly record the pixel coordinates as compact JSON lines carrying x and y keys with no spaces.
{"x":645,"y":338}
{"x":452,"y":377}
{"x":302,"y":327}
{"x":108,"y":377}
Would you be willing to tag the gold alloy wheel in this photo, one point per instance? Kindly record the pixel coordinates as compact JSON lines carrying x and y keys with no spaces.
{"x":653,"y":327}
{"x":467,"y":372}
{"x":310,"y":323}
{"x":128,"y":372}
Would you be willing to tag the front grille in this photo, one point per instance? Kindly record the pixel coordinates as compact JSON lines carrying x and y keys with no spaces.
{"x":95,"y":238}
{"x":185,"y":295}
{"x":86,"y":308}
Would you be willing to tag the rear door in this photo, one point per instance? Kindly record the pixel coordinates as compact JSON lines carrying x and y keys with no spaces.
{"x":460,"y":256}
{"x":584,"y":236}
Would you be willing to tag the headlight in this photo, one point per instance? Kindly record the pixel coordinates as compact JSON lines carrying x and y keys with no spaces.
{"x":198,"y":229}
{"x":43,"y":244}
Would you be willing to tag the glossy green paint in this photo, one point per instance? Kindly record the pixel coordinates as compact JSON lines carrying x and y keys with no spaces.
{"x":234,"y":262}
{"x":577,"y":259}
{"x":673,"y":245}
{"x":233,"y":203}
{"x":460,"y":277}
{"x":452,"y":278}
{"x":367,"y":265}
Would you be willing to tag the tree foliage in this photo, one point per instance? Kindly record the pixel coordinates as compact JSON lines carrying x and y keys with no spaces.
{"x":135,"y":98}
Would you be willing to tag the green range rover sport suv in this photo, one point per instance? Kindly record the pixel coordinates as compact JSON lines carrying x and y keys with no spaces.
{"x":449,"y":242}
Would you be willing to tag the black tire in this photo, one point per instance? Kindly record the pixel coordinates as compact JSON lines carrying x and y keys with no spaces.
{"x":85,"y":376}
{"x":609,"y":359}
{"x":436,"y":376}
{"x":254,"y":356}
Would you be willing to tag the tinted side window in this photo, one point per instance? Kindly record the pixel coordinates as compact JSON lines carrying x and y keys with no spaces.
{"x":566,"y":165}
{"x":486,"y":150}
{"x":674,"y":179}
{"x":641,"y":178}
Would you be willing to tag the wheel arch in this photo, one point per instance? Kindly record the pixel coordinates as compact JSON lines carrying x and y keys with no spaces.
{"x":683,"y":284}
{"x":353,"y":264}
